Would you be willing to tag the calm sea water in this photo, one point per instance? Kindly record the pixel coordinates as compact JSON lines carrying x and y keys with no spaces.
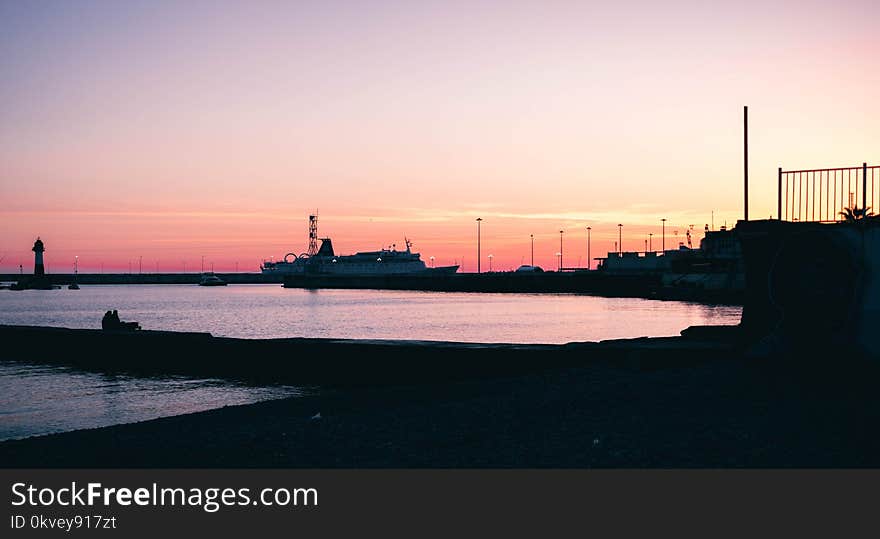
{"x":38,"y":399}
{"x":266,"y":311}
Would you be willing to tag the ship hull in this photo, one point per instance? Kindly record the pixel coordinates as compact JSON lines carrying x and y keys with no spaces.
{"x":347,"y":268}
{"x":390,"y":280}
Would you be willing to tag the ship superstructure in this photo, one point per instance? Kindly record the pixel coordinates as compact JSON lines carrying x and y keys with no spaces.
{"x":324,"y":260}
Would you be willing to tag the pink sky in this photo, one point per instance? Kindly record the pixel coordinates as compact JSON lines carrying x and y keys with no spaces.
{"x":172,"y":132}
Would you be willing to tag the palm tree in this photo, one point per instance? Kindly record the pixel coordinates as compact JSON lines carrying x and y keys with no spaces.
{"x":855,"y":213}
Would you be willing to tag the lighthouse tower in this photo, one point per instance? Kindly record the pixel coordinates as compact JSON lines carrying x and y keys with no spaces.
{"x":38,"y":249}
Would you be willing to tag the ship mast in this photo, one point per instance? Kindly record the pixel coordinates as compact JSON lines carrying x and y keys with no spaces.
{"x":313,"y":235}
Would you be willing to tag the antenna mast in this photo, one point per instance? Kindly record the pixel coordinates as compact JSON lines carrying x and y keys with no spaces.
{"x":313,"y":234}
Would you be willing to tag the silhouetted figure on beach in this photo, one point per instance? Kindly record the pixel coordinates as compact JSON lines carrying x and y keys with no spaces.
{"x":111,"y":321}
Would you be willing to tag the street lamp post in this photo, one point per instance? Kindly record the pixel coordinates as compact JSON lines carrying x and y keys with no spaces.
{"x":560,"y":250}
{"x":664,"y":235}
{"x":589,"y":260}
{"x":620,"y":238}
{"x":651,"y":241}
{"x":479,"y":220}
{"x":490,"y":262}
{"x":559,"y":260}
{"x":533,"y":249}
{"x":432,"y":261}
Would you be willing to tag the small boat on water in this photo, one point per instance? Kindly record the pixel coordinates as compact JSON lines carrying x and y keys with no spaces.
{"x":209,"y":279}
{"x":74,"y":285}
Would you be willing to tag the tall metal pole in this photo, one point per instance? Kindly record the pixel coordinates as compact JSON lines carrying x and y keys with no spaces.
{"x":865,"y":188}
{"x":533,"y":249}
{"x":779,"y":197}
{"x":651,"y":241}
{"x":589,"y":260}
{"x":479,"y":220}
{"x":619,"y":238}
{"x":746,"y":162}
{"x":560,"y":250}
{"x":663,"y":246}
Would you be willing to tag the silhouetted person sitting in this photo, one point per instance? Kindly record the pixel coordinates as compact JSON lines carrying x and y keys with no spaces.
{"x":111,"y":321}
{"x":107,"y":321}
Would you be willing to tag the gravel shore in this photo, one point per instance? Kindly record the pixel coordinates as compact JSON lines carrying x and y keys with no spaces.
{"x":716,"y":413}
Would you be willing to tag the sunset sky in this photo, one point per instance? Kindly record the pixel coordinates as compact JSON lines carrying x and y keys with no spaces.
{"x":171,"y":131}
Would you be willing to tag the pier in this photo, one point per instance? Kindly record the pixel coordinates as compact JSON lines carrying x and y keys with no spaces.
{"x":146,"y":278}
{"x":649,"y":286}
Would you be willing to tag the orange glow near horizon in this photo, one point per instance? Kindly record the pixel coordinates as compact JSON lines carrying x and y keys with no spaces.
{"x":162,"y":133}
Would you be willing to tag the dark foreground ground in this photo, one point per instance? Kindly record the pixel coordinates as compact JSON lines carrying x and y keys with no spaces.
{"x":720,"y":412}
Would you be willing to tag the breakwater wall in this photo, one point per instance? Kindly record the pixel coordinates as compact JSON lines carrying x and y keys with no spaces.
{"x":147,"y":278}
{"x":813,"y":288}
{"x":585,"y":282}
{"x":650,"y":286}
{"x":331,"y":362}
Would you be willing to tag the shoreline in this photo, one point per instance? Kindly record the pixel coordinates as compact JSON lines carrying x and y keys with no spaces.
{"x":694,"y":401}
{"x":716,"y":414}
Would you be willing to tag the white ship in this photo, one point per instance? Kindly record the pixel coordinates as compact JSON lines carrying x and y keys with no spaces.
{"x":324,"y":260}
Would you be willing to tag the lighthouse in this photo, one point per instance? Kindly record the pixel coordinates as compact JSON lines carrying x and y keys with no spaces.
{"x":38,"y":249}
